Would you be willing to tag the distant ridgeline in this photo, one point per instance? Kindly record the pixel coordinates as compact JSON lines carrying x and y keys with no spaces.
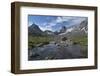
{"x":76,"y":33}
{"x":80,"y":29}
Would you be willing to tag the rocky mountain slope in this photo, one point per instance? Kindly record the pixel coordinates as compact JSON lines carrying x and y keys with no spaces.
{"x":76,"y":30}
{"x":34,"y":30}
{"x":80,"y":29}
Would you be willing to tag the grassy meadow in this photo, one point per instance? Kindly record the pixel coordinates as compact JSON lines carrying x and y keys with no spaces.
{"x":34,"y":41}
{"x":83,"y":41}
{"x":80,"y":40}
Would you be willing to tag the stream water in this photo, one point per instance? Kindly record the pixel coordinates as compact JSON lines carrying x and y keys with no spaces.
{"x":54,"y":51}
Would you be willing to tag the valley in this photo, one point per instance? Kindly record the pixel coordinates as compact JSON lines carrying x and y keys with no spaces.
{"x":68,"y":43}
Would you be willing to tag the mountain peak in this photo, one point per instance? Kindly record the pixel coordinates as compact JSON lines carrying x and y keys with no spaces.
{"x":34,"y":29}
{"x":63,"y":29}
{"x":34,"y":26}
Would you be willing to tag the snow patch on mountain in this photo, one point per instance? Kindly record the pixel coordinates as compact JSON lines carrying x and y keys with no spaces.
{"x":67,"y":31}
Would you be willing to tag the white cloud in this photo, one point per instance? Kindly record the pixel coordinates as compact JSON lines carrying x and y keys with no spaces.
{"x":77,"y":20}
{"x":52,"y":24}
{"x":70,"y":19}
{"x":48,"y":26}
{"x":45,"y":28}
{"x":30,"y":23}
{"x":62,"y":19}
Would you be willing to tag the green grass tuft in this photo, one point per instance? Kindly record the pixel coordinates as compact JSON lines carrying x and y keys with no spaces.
{"x":34,"y":41}
{"x":80,"y":40}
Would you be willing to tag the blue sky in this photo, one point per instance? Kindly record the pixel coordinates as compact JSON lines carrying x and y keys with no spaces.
{"x":54,"y":23}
